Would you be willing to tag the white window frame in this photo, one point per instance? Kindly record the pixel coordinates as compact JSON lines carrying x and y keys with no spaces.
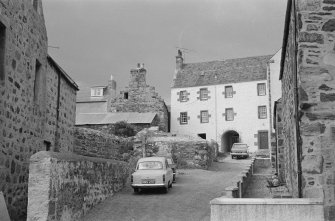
{"x":203,"y":94}
{"x":97,"y":92}
{"x":229,"y":114}
{"x":183,"y":118}
{"x":228,"y":93}
{"x":262,"y":112}
{"x":183,"y":96}
{"x":261,"y":89}
{"x":204,"y":116}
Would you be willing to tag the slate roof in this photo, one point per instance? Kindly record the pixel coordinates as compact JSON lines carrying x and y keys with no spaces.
{"x":62,"y":72}
{"x":222,"y":72}
{"x":113,"y":117}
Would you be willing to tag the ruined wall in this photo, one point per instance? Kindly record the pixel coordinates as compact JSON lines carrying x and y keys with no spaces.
{"x":141,"y":98}
{"x":187,"y":152}
{"x":22,"y":117}
{"x":64,"y":186}
{"x":316,"y":97}
{"x":94,"y":143}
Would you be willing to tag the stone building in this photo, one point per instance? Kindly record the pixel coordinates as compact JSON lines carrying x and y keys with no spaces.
{"x":98,"y":99}
{"x":37,"y":108}
{"x":227,"y":101}
{"x":140,"y":97}
{"x":308,"y":100}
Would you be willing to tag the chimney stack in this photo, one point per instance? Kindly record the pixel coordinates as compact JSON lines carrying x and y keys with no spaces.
{"x":179,"y":61}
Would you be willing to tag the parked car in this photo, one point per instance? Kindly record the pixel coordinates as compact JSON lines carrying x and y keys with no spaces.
{"x":173,"y":166}
{"x":152,"y":172}
{"x":239,"y":150}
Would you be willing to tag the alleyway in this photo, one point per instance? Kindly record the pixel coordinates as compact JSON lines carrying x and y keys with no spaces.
{"x":187,"y":200}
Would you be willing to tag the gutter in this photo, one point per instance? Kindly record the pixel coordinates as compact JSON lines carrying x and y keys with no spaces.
{"x":297,"y":117}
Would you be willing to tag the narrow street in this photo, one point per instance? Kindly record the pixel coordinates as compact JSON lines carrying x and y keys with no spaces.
{"x":187,"y":200}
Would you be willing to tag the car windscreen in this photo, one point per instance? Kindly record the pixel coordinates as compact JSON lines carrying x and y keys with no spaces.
{"x":150,"y":165}
{"x":239,"y":146}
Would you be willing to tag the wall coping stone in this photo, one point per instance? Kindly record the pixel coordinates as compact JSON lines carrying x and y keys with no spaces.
{"x":68,"y":156}
{"x":267,"y":201}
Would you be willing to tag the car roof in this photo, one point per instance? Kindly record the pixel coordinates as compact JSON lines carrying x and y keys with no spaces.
{"x":162,"y":159}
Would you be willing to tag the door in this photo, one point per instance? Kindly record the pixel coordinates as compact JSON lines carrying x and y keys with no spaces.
{"x":263,"y":140}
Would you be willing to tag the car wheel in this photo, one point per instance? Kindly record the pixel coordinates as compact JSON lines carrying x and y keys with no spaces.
{"x":232,"y":156}
{"x":166,"y":189}
{"x":136,"y":190}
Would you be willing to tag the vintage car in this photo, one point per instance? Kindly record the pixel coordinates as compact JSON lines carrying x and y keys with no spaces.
{"x":239,"y":150}
{"x":152,"y":172}
{"x":173,"y":167}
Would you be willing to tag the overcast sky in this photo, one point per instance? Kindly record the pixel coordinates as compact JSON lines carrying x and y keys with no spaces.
{"x":97,"y":38}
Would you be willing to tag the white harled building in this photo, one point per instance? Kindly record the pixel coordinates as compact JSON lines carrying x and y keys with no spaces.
{"x":226,"y":101}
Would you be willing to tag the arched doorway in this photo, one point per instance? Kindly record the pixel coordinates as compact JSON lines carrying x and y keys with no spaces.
{"x":228,"y":139}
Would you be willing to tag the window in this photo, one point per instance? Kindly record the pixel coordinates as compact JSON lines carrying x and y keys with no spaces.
{"x":2,"y":51}
{"x":97,"y":92}
{"x":261,"y":89}
{"x":203,"y":94}
{"x":262,"y":112}
{"x":183,"y":118}
{"x":229,"y":114}
{"x":37,"y":81}
{"x":204,"y":118}
{"x":228,"y":91}
{"x":203,"y":136}
{"x":125,"y":95}
{"x":182,"y":96}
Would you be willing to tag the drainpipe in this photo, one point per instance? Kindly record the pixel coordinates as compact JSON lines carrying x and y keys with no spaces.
{"x":216,"y":113}
{"x":295,"y":75}
{"x":56,"y":148}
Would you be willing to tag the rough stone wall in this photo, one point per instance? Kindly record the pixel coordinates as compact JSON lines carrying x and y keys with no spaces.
{"x":289,"y":111}
{"x":22,"y":118}
{"x":65,"y":186}
{"x":316,"y":97}
{"x":316,"y":71}
{"x":141,"y":98}
{"x":94,"y":143}
{"x":187,"y":152}
{"x":60,"y":132}
{"x":280,"y":144}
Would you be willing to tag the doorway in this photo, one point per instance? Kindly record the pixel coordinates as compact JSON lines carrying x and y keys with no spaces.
{"x":228,"y":139}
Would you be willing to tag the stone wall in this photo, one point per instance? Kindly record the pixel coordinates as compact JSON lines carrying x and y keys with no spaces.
{"x":22,"y":117}
{"x":187,"y":152}
{"x":27,"y":107}
{"x":65,"y":186}
{"x":94,"y":143}
{"x":60,"y":125}
{"x":140,"y":97}
{"x":315,"y":68}
{"x":280,"y":143}
{"x":290,"y":113}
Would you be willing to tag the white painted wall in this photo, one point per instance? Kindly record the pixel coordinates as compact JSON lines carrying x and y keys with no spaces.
{"x":275,"y":83}
{"x":245,"y":104}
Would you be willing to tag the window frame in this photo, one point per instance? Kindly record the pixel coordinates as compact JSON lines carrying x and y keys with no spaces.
{"x":203,"y":96}
{"x":202,"y":117}
{"x":183,"y":96}
{"x":183,"y":119}
{"x":260,"y":116}
{"x":226,"y":90}
{"x":232,"y":112}
{"x":258,"y":89}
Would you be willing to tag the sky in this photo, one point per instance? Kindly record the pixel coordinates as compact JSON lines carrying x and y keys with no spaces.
{"x":95,"y":39}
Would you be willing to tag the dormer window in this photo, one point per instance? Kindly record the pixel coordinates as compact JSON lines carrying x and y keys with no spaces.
{"x":97,"y":92}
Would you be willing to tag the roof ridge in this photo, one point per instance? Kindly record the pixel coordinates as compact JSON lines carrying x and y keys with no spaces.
{"x":231,"y":59}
